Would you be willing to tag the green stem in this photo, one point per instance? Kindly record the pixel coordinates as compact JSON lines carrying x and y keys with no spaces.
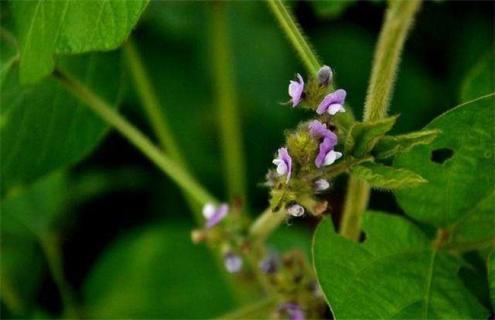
{"x":150,"y":103}
{"x":398,"y":21}
{"x":295,"y":35}
{"x":135,"y":137}
{"x":153,"y":110}
{"x":228,"y":108}
{"x":265,"y":224}
{"x":50,"y":247}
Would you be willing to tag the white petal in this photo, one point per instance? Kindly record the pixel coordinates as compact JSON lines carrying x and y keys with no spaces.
{"x":281,"y":166}
{"x":334,"y":108}
{"x":295,"y":210}
{"x":321,"y":185}
{"x":208,"y":210}
{"x":331,"y":157}
{"x":293,"y":88}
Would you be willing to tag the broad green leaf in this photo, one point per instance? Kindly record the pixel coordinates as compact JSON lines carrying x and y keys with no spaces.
{"x":480,"y":80}
{"x":363,"y":136}
{"x":331,"y":8}
{"x":43,"y":127}
{"x":459,"y":165}
{"x":384,"y":177}
{"x":46,"y":27}
{"x":394,"y":274}
{"x":389,"y":146}
{"x":156,"y":272}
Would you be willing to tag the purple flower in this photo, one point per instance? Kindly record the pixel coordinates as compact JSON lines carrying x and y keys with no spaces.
{"x":324,"y":157}
{"x":232,"y":262}
{"x":321,"y":185}
{"x":292,"y":310}
{"x":333,"y":103}
{"x":214,"y":214}
{"x":320,"y":130}
{"x":296,"y":90}
{"x":324,"y":76}
{"x":283,"y":163}
{"x":295,"y":210}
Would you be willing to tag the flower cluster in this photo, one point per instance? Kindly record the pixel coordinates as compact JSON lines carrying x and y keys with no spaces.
{"x":315,"y":141}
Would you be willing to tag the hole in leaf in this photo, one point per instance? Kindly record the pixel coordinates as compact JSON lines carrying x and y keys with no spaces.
{"x":441,"y":155}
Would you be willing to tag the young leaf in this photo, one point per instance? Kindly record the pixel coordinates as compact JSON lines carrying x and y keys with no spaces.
{"x":44,"y":127}
{"x":384,"y":177}
{"x":481,"y":79}
{"x":156,"y":272}
{"x":394,"y":274}
{"x":459,"y":165}
{"x":363,"y":136}
{"x":46,"y":27}
{"x":389,"y":146}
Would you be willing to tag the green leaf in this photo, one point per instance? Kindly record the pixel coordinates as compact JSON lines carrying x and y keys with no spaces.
{"x":46,"y":27}
{"x":384,"y":177}
{"x":363,"y":136}
{"x":459,"y":165}
{"x":27,"y":215}
{"x":156,"y":272}
{"x":43,"y":127}
{"x":331,"y":8}
{"x":389,"y":146}
{"x":480,"y":80}
{"x":394,"y":274}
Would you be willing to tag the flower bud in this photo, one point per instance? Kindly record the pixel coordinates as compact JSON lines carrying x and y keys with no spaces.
{"x":295,"y":210}
{"x":321,"y":185}
{"x":232,"y":262}
{"x":324,"y":76}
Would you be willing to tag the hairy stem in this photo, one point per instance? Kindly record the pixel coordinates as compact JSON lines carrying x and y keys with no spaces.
{"x":228,"y":108}
{"x":398,"y":20}
{"x":265,"y":224}
{"x":295,"y":35}
{"x":135,"y":137}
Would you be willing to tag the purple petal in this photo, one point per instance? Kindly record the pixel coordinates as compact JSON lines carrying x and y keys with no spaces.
{"x":292,"y":310}
{"x":325,"y":147}
{"x":319,"y":130}
{"x":336,"y":97}
{"x":219,"y":214}
{"x":285,"y":158}
{"x":296,"y":90}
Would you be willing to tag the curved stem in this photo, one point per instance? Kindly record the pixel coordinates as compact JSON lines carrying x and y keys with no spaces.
{"x":398,"y":21}
{"x":295,"y":35}
{"x":135,"y":137}
{"x":228,"y":108}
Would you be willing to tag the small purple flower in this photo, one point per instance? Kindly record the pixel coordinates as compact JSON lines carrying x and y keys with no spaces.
{"x":320,"y":130}
{"x":214,"y":214}
{"x":333,"y":103}
{"x":283,"y":163}
{"x":295,"y":210}
{"x":292,"y":310}
{"x":296,"y":90}
{"x":324,"y":76}
{"x":232,"y":262}
{"x":321,"y":185}
{"x":326,"y":156}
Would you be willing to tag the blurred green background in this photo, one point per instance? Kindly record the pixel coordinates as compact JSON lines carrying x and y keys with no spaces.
{"x":124,"y":228}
